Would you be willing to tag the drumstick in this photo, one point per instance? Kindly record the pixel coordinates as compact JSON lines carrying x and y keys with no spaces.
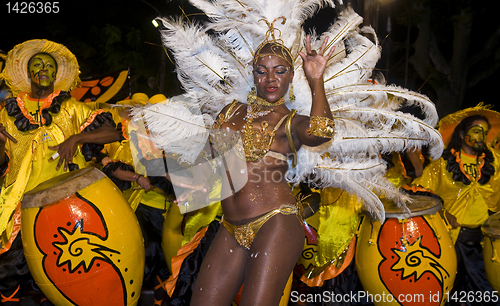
{"x":9,"y":136}
{"x":54,"y":156}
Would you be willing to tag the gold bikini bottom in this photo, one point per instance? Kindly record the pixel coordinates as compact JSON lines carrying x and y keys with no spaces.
{"x":245,"y":234}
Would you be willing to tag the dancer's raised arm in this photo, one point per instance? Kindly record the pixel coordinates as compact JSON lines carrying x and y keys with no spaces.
{"x":319,"y":127}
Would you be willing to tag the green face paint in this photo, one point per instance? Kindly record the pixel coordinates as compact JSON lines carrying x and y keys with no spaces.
{"x":42,"y":69}
{"x":476,"y":135}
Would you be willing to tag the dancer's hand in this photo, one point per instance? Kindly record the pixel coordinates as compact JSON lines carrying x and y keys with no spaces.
{"x":315,"y":61}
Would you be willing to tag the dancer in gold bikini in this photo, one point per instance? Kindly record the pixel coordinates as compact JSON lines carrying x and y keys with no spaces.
{"x":262,"y":237}
{"x":218,"y":61}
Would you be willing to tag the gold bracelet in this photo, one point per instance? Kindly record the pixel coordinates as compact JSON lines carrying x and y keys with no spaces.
{"x":321,"y":127}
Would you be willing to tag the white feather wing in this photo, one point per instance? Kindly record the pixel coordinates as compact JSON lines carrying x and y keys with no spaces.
{"x":214,"y":64}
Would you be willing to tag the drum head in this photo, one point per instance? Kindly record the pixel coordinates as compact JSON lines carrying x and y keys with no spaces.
{"x":418,"y":205}
{"x":491,"y":227}
{"x":61,"y":186}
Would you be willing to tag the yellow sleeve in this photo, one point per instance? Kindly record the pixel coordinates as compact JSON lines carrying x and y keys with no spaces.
{"x":79,"y":111}
{"x":431,"y":176}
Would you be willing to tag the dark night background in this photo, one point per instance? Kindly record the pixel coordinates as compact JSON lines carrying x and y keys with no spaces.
{"x":111,"y":35}
{"x":105,"y":36}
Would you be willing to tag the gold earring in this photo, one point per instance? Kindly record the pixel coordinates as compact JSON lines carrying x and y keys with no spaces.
{"x":291,"y":95}
{"x":252,"y":96}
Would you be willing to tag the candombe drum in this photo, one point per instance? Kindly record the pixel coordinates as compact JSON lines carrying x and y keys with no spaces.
{"x":409,"y":259}
{"x":82,"y":241}
{"x":306,"y":260}
{"x":491,"y":231}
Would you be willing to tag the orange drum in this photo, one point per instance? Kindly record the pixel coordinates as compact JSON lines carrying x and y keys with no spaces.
{"x":82,"y":241}
{"x":491,"y":230}
{"x":406,"y":260}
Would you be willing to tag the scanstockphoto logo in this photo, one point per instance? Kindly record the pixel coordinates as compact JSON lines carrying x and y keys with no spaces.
{"x":358,"y":297}
{"x":402,"y":298}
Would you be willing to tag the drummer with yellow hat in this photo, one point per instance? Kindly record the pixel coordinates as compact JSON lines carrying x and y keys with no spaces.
{"x":467,"y":178}
{"x":136,"y":166}
{"x":44,"y":125}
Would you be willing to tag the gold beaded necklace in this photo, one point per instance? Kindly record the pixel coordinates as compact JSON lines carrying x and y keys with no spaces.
{"x":264,"y":102}
{"x":257,"y":142}
{"x":252,"y":98}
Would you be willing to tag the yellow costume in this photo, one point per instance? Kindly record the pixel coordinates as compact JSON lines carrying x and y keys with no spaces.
{"x":448,"y":176}
{"x":468,"y":203}
{"x":29,"y":163}
{"x":468,"y":186}
{"x":123,"y":152}
{"x":397,"y":174}
{"x":159,"y":218}
{"x":37,"y":68}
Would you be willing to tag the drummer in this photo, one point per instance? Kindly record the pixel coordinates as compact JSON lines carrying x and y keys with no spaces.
{"x":41,"y":130}
{"x":137,"y":170}
{"x":467,"y":178}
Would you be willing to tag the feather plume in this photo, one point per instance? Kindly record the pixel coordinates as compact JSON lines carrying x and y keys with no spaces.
{"x":174,"y":128}
{"x":214,"y":65}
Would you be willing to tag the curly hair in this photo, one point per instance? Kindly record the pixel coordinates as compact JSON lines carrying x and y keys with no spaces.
{"x":456,"y":144}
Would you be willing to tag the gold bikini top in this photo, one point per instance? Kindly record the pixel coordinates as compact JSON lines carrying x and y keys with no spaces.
{"x":256,"y":142}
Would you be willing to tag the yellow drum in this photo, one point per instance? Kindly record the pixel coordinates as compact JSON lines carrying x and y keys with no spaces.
{"x":491,"y":230}
{"x":406,"y":260}
{"x":82,"y":241}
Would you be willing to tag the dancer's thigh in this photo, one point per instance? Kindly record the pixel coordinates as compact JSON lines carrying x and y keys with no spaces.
{"x":221,"y":274}
{"x":272,"y":257}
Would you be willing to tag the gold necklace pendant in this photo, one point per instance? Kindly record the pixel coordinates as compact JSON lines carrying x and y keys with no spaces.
{"x":256,"y":142}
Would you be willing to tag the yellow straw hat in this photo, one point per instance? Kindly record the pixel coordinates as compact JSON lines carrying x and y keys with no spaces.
{"x":15,"y":73}
{"x":447,"y":125}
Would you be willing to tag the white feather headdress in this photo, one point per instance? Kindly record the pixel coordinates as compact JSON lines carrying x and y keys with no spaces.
{"x":214,"y":66}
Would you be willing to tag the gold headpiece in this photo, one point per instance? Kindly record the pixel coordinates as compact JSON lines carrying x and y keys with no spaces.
{"x":281,"y":51}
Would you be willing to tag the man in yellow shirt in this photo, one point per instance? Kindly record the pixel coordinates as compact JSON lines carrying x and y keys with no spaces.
{"x":467,"y":178}
{"x":149,"y":193}
{"x":48,"y":126}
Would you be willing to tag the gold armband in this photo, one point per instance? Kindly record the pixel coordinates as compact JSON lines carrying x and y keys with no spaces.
{"x":321,"y":127}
